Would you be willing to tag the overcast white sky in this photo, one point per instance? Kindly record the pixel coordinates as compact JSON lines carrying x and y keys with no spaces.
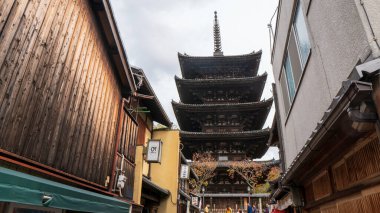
{"x":153,"y":32}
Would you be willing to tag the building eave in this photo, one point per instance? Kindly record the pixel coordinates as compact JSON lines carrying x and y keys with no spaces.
{"x":161,"y":191}
{"x":251,"y":57}
{"x":191,"y":90}
{"x":154,"y":105}
{"x":223,"y":106}
{"x":255,"y":142}
{"x":223,"y":81}
{"x":187,"y":112}
{"x":233,"y":135}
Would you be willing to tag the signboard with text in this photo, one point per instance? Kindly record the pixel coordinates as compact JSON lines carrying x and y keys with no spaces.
{"x":154,"y":151}
{"x":185,"y":171}
{"x":194,"y":201}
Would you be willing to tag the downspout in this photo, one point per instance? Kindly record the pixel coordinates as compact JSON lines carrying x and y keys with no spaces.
{"x":118,"y":139}
{"x":369,"y":27}
{"x":279,"y":127}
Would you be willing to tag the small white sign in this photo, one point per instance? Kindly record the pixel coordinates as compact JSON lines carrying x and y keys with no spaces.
{"x":154,"y":151}
{"x":194,"y":201}
{"x":185,"y":171}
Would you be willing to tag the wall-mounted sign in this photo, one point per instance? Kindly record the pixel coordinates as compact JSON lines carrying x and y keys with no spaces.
{"x":154,"y":151}
{"x":185,"y":171}
{"x":194,"y":201}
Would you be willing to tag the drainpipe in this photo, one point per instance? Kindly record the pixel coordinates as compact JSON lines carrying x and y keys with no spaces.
{"x":368,"y":12}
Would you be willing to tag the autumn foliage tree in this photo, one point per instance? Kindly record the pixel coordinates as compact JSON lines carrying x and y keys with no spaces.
{"x":256,"y":175}
{"x":203,"y":165}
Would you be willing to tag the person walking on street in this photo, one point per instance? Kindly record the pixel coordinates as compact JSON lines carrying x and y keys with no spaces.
{"x":249,"y":209}
{"x":228,"y":210}
{"x":206,"y":209}
{"x":266,"y":210}
{"x":254,"y":209}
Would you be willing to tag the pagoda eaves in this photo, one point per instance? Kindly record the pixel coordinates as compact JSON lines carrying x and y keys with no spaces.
{"x":238,"y":90}
{"x":222,"y":117}
{"x":251,"y":144}
{"x":195,"y":67}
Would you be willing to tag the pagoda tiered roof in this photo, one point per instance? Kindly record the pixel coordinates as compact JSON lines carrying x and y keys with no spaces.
{"x":196,"y":90}
{"x":250,"y":116}
{"x":193,"y":67}
{"x":251,"y":143}
{"x":210,"y":136}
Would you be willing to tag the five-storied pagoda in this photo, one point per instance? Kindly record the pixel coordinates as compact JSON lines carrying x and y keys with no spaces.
{"x":221,"y":112}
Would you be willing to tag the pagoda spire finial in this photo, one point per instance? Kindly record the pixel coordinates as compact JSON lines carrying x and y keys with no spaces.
{"x":217,"y":39}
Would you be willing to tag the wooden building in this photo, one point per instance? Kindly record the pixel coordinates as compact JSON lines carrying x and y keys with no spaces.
{"x":67,"y":108}
{"x":221,"y":113}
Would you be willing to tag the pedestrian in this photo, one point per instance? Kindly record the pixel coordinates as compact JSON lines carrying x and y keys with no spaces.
{"x":228,"y":209}
{"x":266,"y":210}
{"x":206,"y":208}
{"x":254,"y":209}
{"x":249,"y":209}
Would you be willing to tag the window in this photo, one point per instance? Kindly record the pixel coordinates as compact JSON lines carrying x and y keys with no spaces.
{"x":302,"y":36}
{"x":296,"y":56}
{"x":223,"y":158}
{"x":289,"y":78}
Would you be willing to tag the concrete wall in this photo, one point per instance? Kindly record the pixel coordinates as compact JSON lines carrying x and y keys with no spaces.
{"x":338,"y":43}
{"x":165,"y":174}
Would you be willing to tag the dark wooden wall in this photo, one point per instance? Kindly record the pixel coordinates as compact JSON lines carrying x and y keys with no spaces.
{"x":127,"y":148}
{"x":351,"y":183}
{"x":59,"y":97}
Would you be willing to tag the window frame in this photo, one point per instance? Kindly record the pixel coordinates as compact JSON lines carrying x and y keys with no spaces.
{"x":290,"y":96}
{"x":297,"y":12}
{"x":292,"y":29}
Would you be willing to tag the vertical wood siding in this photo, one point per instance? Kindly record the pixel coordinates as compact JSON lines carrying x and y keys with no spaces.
{"x":126,"y":153}
{"x":59,"y":97}
{"x":359,"y":165}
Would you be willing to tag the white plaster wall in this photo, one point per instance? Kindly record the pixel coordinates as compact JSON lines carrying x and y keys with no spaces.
{"x":338,"y":33}
{"x":370,"y":16}
{"x":338,"y":43}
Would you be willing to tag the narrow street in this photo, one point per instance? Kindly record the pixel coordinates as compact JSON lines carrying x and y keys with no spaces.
{"x":124,"y":106}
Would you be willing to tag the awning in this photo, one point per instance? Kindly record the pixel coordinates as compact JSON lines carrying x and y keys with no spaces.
{"x":285,"y":202}
{"x":155,"y":188}
{"x":23,"y":188}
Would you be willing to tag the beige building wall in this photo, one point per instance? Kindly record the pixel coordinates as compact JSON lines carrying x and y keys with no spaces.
{"x":138,"y":175}
{"x":142,"y":167}
{"x":165,"y":174}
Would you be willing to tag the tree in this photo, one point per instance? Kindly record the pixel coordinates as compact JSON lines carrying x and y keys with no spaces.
{"x":274,"y":173}
{"x":254,"y":174}
{"x":250,"y":171}
{"x":204,"y":166}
